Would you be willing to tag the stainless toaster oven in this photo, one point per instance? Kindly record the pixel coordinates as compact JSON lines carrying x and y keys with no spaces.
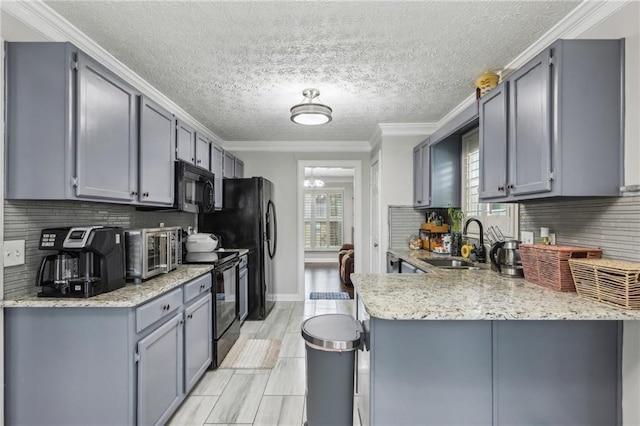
{"x":152,"y":251}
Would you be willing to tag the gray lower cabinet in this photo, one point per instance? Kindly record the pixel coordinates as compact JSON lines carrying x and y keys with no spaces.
{"x":157,"y":148}
{"x":161,"y":372}
{"x":491,"y":373}
{"x":198,"y":340}
{"x":217,"y":165}
{"x":119,"y":366}
{"x":559,"y":120}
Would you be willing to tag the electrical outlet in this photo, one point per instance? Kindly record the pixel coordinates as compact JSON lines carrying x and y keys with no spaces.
{"x":14,"y":253}
{"x":552,"y":238}
{"x":526,"y":237}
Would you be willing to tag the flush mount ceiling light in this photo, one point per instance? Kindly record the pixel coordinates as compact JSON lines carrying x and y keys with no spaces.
{"x":311,"y":113}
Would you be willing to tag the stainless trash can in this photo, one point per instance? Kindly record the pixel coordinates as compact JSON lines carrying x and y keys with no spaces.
{"x":331,"y":341}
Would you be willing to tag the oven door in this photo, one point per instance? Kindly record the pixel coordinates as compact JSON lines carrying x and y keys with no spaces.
{"x":226,"y":283}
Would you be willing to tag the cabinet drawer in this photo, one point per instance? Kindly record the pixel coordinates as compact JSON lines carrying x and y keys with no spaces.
{"x":151,"y":312}
{"x":196,"y":287}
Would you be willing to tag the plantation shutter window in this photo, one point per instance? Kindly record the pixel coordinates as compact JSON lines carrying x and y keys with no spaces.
{"x":323,"y":219}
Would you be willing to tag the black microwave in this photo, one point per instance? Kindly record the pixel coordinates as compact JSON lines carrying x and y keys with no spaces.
{"x":194,"y":189}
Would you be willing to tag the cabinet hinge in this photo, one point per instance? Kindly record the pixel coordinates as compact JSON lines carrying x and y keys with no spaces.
{"x":136,"y":357}
{"x":550,"y":176}
{"x":75,"y":65}
{"x":74,"y":181}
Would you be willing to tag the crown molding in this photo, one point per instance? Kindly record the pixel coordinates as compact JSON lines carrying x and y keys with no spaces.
{"x":297,"y":146}
{"x":51,"y":25}
{"x":584,"y":17}
{"x":407,"y":129}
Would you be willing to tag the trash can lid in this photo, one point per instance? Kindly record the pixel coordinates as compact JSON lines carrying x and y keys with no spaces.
{"x":333,"y":331}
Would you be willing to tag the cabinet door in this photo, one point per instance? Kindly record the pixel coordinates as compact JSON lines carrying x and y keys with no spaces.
{"x":228,"y":171}
{"x":561,"y":373}
{"x":198,"y":340}
{"x":425,"y":154}
{"x":217,"y":160}
{"x":417,"y":177}
{"x":238,"y":170}
{"x":157,"y":147}
{"x":493,"y":144}
{"x":107,"y":134}
{"x":161,"y":372}
{"x":203,"y":152}
{"x":185,"y":143}
{"x":530,"y":127}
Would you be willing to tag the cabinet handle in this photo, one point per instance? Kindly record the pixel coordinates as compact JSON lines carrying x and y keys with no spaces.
{"x":190,"y":316}
{"x":501,"y":188}
{"x":134,"y":193}
{"x":145,"y":194}
{"x":510,"y":186}
{"x":166,"y":307}
{"x":199,"y":161}
{"x":419,"y":201}
{"x":192,"y":159}
{"x":181,"y":322}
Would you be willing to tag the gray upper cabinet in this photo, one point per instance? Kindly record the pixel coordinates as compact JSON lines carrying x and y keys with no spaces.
{"x":203,"y":152}
{"x":217,"y":165}
{"x":71,"y":126}
{"x":562,"y":121}
{"x":228,"y":171}
{"x":436,"y":175}
{"x":493,"y":143}
{"x":157,"y":148}
{"x":106,"y":126}
{"x":421,"y":171}
{"x":185,"y":143}
{"x":238,"y":169}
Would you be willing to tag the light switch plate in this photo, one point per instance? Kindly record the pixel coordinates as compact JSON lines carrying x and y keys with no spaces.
{"x":552,"y":238}
{"x":13,"y":253}
{"x":526,"y":237}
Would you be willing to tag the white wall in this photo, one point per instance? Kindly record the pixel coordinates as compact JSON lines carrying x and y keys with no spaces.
{"x":396,"y":179}
{"x":281,"y":169}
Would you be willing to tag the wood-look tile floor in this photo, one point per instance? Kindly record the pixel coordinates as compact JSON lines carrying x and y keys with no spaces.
{"x":261,"y":397}
{"x":324,"y":277}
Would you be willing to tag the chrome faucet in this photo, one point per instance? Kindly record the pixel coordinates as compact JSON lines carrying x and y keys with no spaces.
{"x":480,"y":251}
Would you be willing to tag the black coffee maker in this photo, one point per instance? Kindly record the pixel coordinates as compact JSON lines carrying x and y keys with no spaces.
{"x":90,"y":261}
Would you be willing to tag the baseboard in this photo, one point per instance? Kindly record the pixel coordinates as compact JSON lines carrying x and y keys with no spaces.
{"x":288,"y":297}
{"x":320,"y":260}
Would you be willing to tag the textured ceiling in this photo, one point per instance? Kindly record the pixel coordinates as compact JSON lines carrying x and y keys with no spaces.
{"x":238,"y":67}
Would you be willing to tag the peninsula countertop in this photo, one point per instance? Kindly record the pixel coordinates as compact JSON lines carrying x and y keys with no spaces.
{"x":128,"y":296}
{"x":476,"y":294}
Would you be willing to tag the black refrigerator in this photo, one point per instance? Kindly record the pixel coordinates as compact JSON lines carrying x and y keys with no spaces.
{"x":248,"y":220}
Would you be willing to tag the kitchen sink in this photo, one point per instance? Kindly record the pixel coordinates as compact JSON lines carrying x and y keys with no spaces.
{"x":450,"y":263}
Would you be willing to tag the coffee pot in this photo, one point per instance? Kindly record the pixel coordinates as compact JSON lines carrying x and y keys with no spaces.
{"x":505,"y":258}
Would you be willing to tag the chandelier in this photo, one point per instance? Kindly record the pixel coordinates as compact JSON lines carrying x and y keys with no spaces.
{"x":313,"y":182}
{"x":311,"y":113}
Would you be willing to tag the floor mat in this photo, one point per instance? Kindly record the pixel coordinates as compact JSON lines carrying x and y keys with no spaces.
{"x":253,"y":353}
{"x":331,"y":295}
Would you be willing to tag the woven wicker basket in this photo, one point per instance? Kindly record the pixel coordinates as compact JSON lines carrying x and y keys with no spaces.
{"x":548,"y":266}
{"x":609,"y":281}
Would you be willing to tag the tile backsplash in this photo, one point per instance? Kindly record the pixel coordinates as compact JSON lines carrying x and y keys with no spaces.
{"x":403,"y":222}
{"x":24,"y":220}
{"x":612,"y":224}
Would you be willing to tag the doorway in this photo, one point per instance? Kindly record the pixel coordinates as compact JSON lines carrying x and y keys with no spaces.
{"x":329,"y":211}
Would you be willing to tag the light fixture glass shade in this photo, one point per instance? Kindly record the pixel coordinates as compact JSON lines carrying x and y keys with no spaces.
{"x":310,"y":113}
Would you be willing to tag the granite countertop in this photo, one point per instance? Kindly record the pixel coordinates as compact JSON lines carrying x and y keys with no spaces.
{"x":476,"y":294}
{"x":128,"y":296}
